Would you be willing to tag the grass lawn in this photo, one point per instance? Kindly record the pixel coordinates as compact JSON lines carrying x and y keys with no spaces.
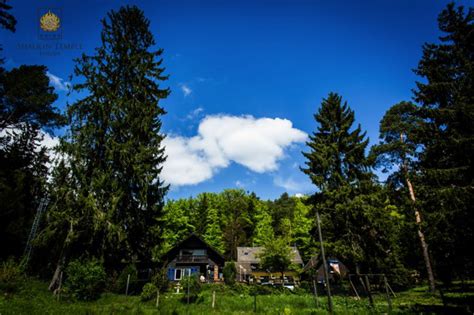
{"x":34,"y":298}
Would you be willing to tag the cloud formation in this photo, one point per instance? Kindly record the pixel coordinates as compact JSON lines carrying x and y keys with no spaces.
{"x":185,"y":89}
{"x":257,"y":144}
{"x":58,"y":82}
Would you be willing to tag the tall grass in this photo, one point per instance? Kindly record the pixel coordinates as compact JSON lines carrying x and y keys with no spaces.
{"x":34,"y":298}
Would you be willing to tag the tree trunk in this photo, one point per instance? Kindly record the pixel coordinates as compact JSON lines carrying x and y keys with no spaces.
{"x":421,"y":236}
{"x":59,"y":267}
{"x":61,"y":261}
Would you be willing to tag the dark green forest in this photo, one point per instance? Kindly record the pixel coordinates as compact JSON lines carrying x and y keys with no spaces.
{"x":107,"y":202}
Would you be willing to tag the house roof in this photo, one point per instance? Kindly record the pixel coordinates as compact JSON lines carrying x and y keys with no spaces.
{"x":194,"y":241}
{"x":249,"y":255}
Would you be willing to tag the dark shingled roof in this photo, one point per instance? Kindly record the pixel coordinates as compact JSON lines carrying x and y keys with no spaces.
{"x":194,"y":241}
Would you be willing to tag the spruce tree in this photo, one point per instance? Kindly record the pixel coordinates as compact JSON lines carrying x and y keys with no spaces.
{"x":337,"y":153}
{"x":356,"y":221}
{"x":26,"y":110}
{"x":446,"y":97}
{"x":114,"y":145}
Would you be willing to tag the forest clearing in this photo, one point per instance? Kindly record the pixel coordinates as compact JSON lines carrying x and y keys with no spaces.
{"x":236,"y":157}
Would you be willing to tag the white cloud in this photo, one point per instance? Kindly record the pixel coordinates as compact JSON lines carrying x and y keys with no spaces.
{"x":257,"y":144}
{"x":287,"y":183}
{"x":185,"y":89}
{"x":291,"y":184}
{"x":194,"y":113}
{"x":58,"y":82}
{"x":184,"y":166}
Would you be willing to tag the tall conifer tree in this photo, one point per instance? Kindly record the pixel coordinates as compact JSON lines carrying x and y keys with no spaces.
{"x":446,"y":96}
{"x":114,"y":145}
{"x":356,"y":221}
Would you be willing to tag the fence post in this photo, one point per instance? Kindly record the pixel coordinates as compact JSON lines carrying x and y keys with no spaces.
{"x":315,"y":290}
{"x":213,"y":298}
{"x":189,"y":280}
{"x":325,"y":267}
{"x":387,"y":293}
{"x":128,"y":282}
{"x":255,"y":303}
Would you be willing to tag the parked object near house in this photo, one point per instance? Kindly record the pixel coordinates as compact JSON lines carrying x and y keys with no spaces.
{"x":193,"y":256}
{"x":336,"y":269}
{"x":248,"y":267}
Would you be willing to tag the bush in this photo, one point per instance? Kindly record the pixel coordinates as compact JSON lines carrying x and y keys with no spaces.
{"x":11,"y":276}
{"x":85,"y":279}
{"x":241,"y":288}
{"x":262,"y":290}
{"x":160,"y":280}
{"x":192,"y":282}
{"x":148,"y":292}
{"x":230,"y":272}
{"x":122,"y":280}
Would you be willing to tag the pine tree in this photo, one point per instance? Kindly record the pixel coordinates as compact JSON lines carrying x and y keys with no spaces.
{"x":352,"y":207}
{"x":446,"y":96}
{"x":26,"y":109}
{"x":398,"y":150}
{"x":337,"y":153}
{"x":114,"y":143}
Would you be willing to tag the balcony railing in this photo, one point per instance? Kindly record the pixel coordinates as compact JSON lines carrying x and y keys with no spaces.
{"x":191,"y":258}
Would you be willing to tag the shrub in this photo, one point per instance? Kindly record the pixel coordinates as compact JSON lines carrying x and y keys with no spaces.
{"x":11,"y":276}
{"x":230,"y":273}
{"x":148,"y":292}
{"x":122,"y":280}
{"x":192,"y":285}
{"x":85,"y":279}
{"x":240,"y":288}
{"x":262,"y":290}
{"x":160,"y":280}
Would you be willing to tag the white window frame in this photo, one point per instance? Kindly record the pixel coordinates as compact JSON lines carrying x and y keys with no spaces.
{"x":180,"y":273}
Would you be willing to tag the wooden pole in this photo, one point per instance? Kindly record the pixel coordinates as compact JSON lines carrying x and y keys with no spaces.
{"x":315,"y":290}
{"x":367,"y":283}
{"x":325,"y":267}
{"x":354,"y":288}
{"x":255,"y":302}
{"x":390,"y":288}
{"x":157,"y":297}
{"x":128,"y":282}
{"x":189,"y":280}
{"x":213,"y":298}
{"x":387,"y":294}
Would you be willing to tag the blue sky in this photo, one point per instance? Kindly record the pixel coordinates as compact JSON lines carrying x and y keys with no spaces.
{"x":247,"y":76}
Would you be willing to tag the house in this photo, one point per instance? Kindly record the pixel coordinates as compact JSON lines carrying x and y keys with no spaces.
{"x":336,"y":269}
{"x":193,"y":256}
{"x":248,"y":266}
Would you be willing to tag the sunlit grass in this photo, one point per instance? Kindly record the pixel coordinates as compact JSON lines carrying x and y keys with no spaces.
{"x":34,"y":298}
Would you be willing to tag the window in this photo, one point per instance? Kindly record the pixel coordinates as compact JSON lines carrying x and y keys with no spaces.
{"x":193,"y":252}
{"x":177,"y":274}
